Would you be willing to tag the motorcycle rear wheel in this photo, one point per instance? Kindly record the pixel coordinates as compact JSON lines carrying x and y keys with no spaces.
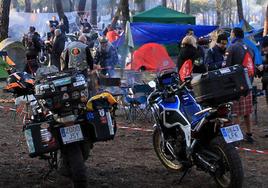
{"x":231,"y":171}
{"x":170,"y":163}
{"x":76,"y":164}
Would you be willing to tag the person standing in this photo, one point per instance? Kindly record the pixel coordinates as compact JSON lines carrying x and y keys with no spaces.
{"x":54,"y":22}
{"x":57,"y":48}
{"x":235,"y":54}
{"x":188,"y":51}
{"x":215,"y":56}
{"x":78,"y":56}
{"x":32,"y":43}
{"x":106,"y":56}
{"x":264,"y":67}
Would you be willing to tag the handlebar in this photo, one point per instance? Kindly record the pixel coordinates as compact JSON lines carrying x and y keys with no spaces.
{"x":174,"y":89}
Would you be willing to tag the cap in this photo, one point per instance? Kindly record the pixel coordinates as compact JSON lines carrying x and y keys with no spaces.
{"x":103,"y":40}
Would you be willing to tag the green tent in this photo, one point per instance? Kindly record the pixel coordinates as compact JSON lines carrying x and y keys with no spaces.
{"x":3,"y":66}
{"x":162,"y":14}
{"x":15,"y":50}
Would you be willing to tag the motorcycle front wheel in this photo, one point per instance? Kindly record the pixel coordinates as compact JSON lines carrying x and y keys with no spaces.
{"x":164,"y":156}
{"x":230,"y":171}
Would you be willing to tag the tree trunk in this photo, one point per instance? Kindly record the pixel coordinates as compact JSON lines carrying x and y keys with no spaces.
{"x":15,"y":5}
{"x":94,"y":13}
{"x":112,"y":5}
{"x":218,"y":11}
{"x":50,"y":6}
{"x":164,"y":3}
{"x":140,"y":5}
{"x":240,"y":10}
{"x":125,"y":12}
{"x":59,"y":8}
{"x":4,"y":18}
{"x":81,"y":7}
{"x":187,"y":7}
{"x":117,"y":14}
{"x":265,"y":29}
{"x":28,"y":6}
{"x":71,"y":5}
{"x":61,"y":14}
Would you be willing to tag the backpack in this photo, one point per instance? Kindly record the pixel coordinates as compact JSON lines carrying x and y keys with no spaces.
{"x":249,"y":64}
{"x":186,"y":69}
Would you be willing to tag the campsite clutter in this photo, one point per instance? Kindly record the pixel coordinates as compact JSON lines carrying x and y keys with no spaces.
{"x":126,"y":87}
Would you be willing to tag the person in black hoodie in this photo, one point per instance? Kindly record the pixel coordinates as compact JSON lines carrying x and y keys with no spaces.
{"x":215,"y":55}
{"x":57,"y":48}
{"x":188,"y":51}
{"x":33,"y":45}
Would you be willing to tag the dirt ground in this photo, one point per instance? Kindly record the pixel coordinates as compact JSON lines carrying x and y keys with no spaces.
{"x":127,"y":161}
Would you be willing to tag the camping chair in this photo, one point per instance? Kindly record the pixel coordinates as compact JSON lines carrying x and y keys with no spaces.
{"x":136,"y":103}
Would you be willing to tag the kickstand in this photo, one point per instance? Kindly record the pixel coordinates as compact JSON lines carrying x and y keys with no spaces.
{"x":184,"y":174}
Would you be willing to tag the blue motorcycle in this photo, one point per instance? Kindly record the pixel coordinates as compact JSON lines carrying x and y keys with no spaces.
{"x":186,"y":135}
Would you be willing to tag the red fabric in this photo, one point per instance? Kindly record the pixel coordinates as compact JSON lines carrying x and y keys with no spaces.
{"x":153,"y":57}
{"x":243,"y":106}
{"x":112,"y":36}
{"x":248,"y":63}
{"x":186,"y":69}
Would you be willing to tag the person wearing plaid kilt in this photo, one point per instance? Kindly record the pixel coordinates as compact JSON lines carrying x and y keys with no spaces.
{"x":235,"y":54}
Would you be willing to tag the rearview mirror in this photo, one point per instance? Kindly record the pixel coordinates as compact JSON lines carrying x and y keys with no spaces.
{"x":152,"y":84}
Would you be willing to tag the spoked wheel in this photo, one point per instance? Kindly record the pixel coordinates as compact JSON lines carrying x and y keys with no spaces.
{"x":166,"y":158}
{"x":229,"y":172}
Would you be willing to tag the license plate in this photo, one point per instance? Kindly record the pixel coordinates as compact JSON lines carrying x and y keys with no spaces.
{"x":225,"y":70}
{"x":71,"y":134}
{"x":79,"y":83}
{"x":232,"y":133}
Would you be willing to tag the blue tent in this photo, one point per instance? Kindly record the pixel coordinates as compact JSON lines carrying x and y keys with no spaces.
{"x":143,"y":33}
{"x":165,"y":33}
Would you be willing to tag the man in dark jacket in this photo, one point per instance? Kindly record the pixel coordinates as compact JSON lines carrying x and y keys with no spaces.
{"x":106,"y":56}
{"x":215,"y":55}
{"x":78,"y":55}
{"x":57,"y":48}
{"x":32,"y":43}
{"x":235,"y":55}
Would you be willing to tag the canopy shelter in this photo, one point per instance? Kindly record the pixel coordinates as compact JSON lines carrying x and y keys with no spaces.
{"x":15,"y":51}
{"x":151,"y":57}
{"x":162,"y":14}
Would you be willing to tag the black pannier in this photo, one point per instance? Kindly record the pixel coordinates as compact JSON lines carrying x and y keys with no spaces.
{"x":102,"y":124}
{"x":40,"y":138}
{"x":63,"y":92}
{"x":222,"y":85}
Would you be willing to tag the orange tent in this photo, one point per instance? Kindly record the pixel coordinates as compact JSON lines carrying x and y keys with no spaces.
{"x":151,"y":57}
